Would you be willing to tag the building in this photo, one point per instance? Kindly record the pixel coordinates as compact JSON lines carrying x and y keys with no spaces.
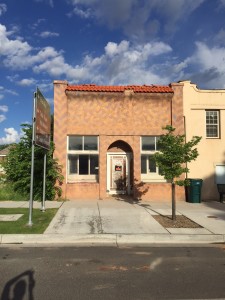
{"x":204,"y":112}
{"x":105,"y":137}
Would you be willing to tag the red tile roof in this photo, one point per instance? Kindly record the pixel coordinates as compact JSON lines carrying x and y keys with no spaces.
{"x":116,"y":89}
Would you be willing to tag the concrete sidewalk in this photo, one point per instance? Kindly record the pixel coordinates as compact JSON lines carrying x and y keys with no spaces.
{"x":119,"y":223}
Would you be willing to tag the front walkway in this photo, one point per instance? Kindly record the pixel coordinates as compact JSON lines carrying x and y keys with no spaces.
{"x":120,"y":222}
{"x":120,"y":216}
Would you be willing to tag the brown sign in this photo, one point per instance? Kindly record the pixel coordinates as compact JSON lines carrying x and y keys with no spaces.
{"x":42,"y":121}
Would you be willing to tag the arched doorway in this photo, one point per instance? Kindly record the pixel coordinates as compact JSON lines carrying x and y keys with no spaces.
{"x":119,"y":168}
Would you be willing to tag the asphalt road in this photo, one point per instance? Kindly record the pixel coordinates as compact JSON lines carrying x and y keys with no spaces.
{"x":157,"y":272}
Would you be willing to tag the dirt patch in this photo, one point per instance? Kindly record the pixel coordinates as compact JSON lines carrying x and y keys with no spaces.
{"x":180,"y":222}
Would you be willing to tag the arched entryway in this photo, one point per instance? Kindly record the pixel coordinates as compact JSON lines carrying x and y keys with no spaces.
{"x":119,"y":168}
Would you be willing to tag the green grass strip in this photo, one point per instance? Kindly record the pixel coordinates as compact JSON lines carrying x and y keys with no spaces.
{"x":40,"y":221}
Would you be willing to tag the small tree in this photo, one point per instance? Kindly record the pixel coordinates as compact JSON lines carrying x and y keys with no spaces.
{"x":18,"y":168}
{"x":174,"y":154}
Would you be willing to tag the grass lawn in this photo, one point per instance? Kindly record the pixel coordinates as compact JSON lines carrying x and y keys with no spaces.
{"x":40,"y":220}
{"x":7,"y":193}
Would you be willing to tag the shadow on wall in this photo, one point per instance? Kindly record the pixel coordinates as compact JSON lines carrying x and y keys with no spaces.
{"x":139,"y":189}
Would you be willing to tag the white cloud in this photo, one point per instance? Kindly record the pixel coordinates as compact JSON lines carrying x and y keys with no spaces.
{"x":46,"y":34}
{"x":2,"y":118}
{"x":84,"y":14}
{"x":3,"y":8}
{"x":138,"y":19}
{"x":4,"y":108}
{"x":121,"y":63}
{"x":220,"y":37}
{"x":221,"y":4}
{"x":27,"y":82}
{"x":11,"y":136}
{"x":19,"y":55}
{"x":12,"y":48}
{"x":211,"y":63}
{"x":49,"y":2}
{"x":209,"y":57}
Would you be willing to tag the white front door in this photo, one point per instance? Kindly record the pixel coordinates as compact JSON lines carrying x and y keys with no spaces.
{"x":118,"y":173}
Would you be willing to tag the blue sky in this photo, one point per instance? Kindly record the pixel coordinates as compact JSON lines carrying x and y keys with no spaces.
{"x":110,"y":42}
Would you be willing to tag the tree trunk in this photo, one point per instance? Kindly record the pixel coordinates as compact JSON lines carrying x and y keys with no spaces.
{"x":173,"y":201}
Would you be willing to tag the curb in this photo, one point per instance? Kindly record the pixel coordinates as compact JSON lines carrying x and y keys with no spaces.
{"x":111,"y":240}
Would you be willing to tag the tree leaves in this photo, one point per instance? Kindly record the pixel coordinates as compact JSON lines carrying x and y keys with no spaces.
{"x":18,"y":168}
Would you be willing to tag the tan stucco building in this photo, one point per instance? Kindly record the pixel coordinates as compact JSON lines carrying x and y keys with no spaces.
{"x":204,"y":113}
{"x":105,"y":137}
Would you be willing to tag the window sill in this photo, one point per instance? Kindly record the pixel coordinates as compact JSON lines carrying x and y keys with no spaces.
{"x":152,"y":179}
{"x":82,"y":181}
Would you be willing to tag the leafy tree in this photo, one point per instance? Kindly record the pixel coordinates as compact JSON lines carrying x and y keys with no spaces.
{"x":172,"y":158}
{"x":18,"y":168}
{"x":3,"y":146}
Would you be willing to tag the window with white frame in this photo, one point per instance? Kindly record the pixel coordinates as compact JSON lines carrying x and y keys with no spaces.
{"x":149,"y":170}
{"x":212,"y":123}
{"x":82,"y":156}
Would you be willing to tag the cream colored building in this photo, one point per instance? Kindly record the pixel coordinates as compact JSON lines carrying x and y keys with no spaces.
{"x":204,"y":115}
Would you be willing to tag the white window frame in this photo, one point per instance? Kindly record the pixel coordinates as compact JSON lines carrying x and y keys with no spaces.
{"x":213,"y":124}
{"x":75,"y":177}
{"x":150,"y":176}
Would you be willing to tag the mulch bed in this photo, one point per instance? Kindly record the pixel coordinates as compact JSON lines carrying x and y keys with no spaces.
{"x":180,"y":222}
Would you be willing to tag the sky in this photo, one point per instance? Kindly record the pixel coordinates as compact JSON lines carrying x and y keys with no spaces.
{"x":105,"y":42}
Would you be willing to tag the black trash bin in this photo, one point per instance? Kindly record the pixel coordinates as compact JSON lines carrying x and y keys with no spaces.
{"x":194,"y":191}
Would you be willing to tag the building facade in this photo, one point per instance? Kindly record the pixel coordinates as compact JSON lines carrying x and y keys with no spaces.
{"x":105,"y":137}
{"x":204,"y":112}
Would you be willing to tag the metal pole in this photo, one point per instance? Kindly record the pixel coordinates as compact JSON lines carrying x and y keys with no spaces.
{"x":44,"y":184}
{"x":32,"y":165}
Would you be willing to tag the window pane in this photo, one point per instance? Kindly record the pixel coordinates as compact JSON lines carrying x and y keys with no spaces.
{"x":143,"y":164}
{"x":83,"y":164}
{"x":148,"y":143}
{"x":157,"y":146}
{"x":73,"y":164}
{"x":211,"y":117}
{"x":90,"y":143}
{"x":212,"y":131}
{"x":75,"y":142}
{"x":94,"y":164}
{"x":152,"y":165}
{"x":212,"y":123}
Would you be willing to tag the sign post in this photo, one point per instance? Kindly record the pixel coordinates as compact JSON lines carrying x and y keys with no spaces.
{"x":41,"y":137}
{"x":32,"y":166}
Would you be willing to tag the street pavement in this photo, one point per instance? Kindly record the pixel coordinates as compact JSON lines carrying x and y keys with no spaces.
{"x":119,"y":222}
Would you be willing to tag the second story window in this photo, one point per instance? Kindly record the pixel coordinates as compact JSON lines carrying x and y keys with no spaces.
{"x":212,"y":123}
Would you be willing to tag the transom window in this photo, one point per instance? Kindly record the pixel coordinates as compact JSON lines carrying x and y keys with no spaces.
{"x":149,"y":170}
{"x":83,"y":143}
{"x":82,"y":158}
{"x":212,"y":123}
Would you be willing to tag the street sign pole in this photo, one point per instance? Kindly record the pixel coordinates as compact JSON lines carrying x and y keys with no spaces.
{"x":32,"y":165}
{"x":44,"y":183}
